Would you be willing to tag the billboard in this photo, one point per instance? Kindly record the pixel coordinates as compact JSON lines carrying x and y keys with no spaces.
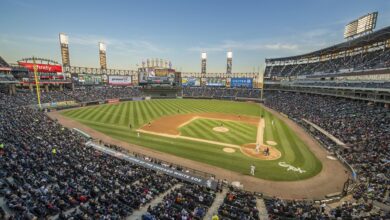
{"x":216,"y":81}
{"x":119,"y":80}
{"x":44,"y":68}
{"x":161,"y":72}
{"x":361,"y":25}
{"x":241,"y":82}
{"x":86,"y":79}
{"x":192,"y":81}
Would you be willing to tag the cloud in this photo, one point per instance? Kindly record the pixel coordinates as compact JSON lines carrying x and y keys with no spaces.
{"x":113,"y":44}
{"x":245,"y":46}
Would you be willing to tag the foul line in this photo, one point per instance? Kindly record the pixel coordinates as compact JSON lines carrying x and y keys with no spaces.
{"x":189,"y":138}
{"x":260,"y":132}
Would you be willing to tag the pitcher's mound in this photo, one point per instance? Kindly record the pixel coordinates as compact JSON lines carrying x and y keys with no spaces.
{"x":229,"y":150}
{"x":250,"y":150}
{"x":220,"y":129}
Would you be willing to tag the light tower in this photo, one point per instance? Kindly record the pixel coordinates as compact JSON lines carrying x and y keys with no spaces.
{"x":229,"y":56}
{"x":64,"y":44}
{"x":203,"y":69}
{"x":102,"y":55}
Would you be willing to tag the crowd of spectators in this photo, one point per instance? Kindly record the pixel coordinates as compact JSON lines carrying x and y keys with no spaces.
{"x":374,"y":59}
{"x":220,"y":93}
{"x":186,"y":202}
{"x":354,"y":84}
{"x":239,"y":204}
{"x":7,"y":77}
{"x":364,"y":128}
{"x":101,"y":93}
{"x":82,"y":94}
{"x":278,"y":209}
{"x":47,"y":170}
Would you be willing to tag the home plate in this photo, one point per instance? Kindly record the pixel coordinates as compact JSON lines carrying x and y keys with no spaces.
{"x":331,"y":158}
{"x":229,"y":150}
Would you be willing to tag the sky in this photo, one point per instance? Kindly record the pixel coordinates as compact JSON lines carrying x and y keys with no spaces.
{"x":178,"y":30}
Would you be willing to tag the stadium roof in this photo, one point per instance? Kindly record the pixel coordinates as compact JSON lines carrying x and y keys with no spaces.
{"x":379,"y":35}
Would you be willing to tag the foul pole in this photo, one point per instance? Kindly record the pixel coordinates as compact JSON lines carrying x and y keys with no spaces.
{"x":261,"y":82}
{"x":37,"y":84}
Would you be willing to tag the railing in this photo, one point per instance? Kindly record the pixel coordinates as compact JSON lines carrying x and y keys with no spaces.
{"x":158,"y":161}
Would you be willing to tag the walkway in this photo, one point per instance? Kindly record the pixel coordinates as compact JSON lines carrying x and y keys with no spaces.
{"x":137,"y":215}
{"x":216,"y":204}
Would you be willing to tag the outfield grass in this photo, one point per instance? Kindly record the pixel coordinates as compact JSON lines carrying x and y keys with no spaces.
{"x":239,"y":133}
{"x":114,"y":120}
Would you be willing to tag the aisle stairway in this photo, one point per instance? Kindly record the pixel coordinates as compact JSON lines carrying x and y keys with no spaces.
{"x":216,"y":204}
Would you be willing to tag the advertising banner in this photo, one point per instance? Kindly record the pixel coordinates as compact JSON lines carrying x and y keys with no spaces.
{"x":216,"y":81}
{"x":111,"y":101}
{"x":241,"y":82}
{"x":190,"y":81}
{"x":119,"y":80}
{"x":44,"y":68}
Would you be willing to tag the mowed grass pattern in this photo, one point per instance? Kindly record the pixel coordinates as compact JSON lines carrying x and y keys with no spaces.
{"x":239,"y":133}
{"x":114,"y":120}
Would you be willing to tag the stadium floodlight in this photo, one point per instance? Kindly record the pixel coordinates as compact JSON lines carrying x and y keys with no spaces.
{"x":229,"y":54}
{"x":204,"y":55}
{"x":102,"y":46}
{"x":366,"y":23}
{"x":64,"y":39}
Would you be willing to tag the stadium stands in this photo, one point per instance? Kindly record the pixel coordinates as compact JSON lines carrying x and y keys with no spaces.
{"x":220,"y":93}
{"x":368,"y":52}
{"x":186,"y":202}
{"x":89,"y":94}
{"x":239,"y":205}
{"x":349,"y":83}
{"x":106,"y":187}
{"x":3,"y":63}
{"x":364,"y":128}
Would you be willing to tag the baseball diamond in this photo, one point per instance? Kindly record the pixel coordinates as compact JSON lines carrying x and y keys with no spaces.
{"x":195,"y":110}
{"x":185,"y":128}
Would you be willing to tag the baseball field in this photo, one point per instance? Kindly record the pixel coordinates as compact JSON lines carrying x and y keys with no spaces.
{"x":226,"y":134}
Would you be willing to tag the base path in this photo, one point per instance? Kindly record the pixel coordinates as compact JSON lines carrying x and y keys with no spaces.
{"x":329,"y":180}
{"x":260,"y":132}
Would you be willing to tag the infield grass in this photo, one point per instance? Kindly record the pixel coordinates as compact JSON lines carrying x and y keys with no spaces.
{"x":239,"y":133}
{"x":114,"y":120}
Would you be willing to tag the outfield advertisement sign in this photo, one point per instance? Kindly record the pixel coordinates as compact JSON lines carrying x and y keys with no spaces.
{"x":192,"y":81}
{"x":119,"y":80}
{"x":153,"y":166}
{"x":241,"y":82}
{"x":111,"y":101}
{"x":216,"y":81}
{"x":44,"y":68}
